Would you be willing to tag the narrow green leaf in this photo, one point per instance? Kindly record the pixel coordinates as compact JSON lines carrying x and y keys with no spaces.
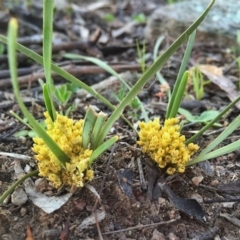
{"x":219,"y":152}
{"x":47,"y":52}
{"x":58,"y":95}
{"x":210,"y":124}
{"x":67,"y":96}
{"x":63,"y":89}
{"x":89,"y":122}
{"x":47,"y":100}
{"x":102,"y":148}
{"x":177,"y":96}
{"x":232,"y":127}
{"x":20,"y":119}
{"x":97,"y":129}
{"x":180,"y":74}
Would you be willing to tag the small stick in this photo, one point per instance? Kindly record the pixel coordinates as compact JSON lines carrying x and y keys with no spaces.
{"x":74,"y":70}
{"x":143,"y":226}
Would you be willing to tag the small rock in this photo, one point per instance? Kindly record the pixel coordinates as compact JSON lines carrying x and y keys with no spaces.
{"x":197,"y":197}
{"x":197,"y":180}
{"x":19,"y":197}
{"x":161,"y":200}
{"x":172,"y":236}
{"x":228,"y":204}
{"x":23,"y":211}
{"x":157,"y":235}
{"x":172,"y":214}
{"x":214,"y":183}
{"x":27,"y":169}
{"x":217,"y":238}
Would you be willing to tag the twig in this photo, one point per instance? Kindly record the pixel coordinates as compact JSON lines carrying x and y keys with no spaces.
{"x":141,"y":175}
{"x":74,"y":70}
{"x":88,"y":47}
{"x":143,"y":226}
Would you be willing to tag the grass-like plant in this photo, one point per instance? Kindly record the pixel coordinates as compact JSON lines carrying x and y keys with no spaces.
{"x":198,"y":83}
{"x":165,"y":144}
{"x":66,"y":150}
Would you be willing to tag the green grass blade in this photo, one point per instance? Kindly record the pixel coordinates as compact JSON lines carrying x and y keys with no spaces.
{"x":89,"y":122}
{"x":97,"y":129}
{"x":48,"y":101}
{"x":149,"y":73}
{"x":210,"y":124}
{"x":20,"y":119}
{"x":219,"y":152}
{"x":182,"y":69}
{"x":102,"y":148}
{"x":232,"y":127}
{"x":177,"y":97}
{"x":12,"y":36}
{"x":47,"y":53}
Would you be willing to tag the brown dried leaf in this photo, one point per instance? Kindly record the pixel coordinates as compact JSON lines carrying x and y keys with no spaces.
{"x":215,"y":74}
{"x":29,"y":233}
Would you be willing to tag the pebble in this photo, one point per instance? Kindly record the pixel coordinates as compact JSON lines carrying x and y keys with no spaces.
{"x":19,"y":197}
{"x":214,"y":183}
{"x":172,"y":236}
{"x":228,"y":204}
{"x":23,"y":211}
{"x":157,"y":235}
{"x":197,"y":180}
{"x":172,"y":214}
{"x":161,"y":200}
{"x":27,"y":169}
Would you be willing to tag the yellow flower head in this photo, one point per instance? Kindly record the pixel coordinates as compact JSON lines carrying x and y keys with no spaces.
{"x":68,"y":136}
{"x":165,"y":145}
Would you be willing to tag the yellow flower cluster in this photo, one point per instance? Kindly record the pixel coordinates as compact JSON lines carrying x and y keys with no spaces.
{"x":165,"y":145}
{"x":68,"y":135}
